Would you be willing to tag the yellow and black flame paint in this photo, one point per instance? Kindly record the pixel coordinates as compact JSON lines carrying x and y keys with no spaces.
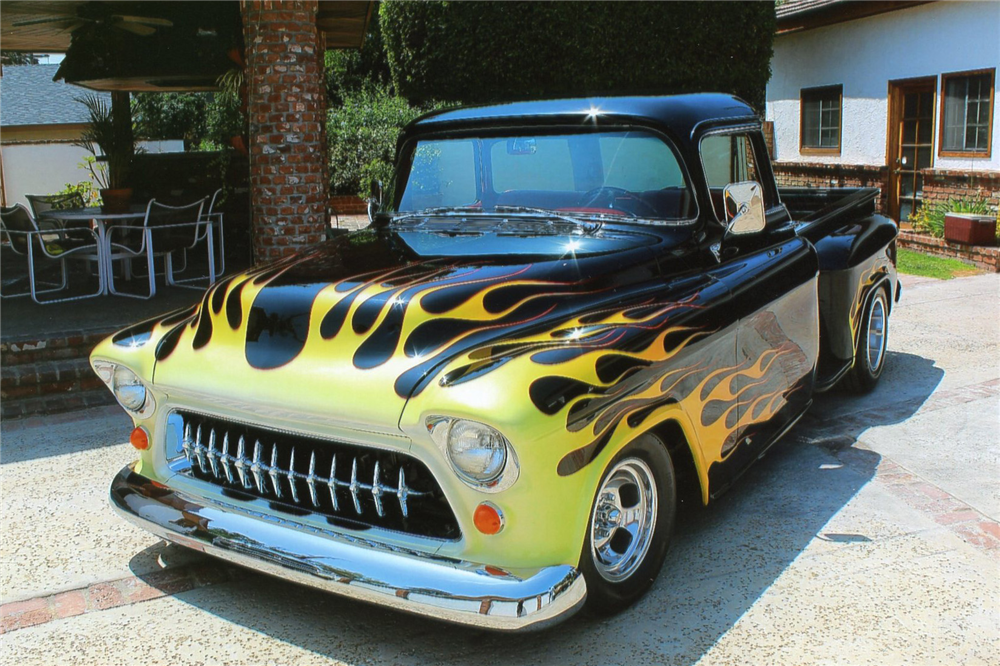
{"x":606,"y":362}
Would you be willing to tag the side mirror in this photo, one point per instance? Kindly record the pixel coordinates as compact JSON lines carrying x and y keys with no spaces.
{"x":374,"y":199}
{"x":744,"y":207}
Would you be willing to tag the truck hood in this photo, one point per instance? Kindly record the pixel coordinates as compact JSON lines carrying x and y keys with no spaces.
{"x":349,"y":330}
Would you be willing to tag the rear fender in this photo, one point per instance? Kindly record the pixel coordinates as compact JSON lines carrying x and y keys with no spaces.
{"x":854,"y":261}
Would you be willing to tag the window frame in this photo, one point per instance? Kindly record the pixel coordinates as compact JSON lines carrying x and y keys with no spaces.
{"x":769,"y":189}
{"x":408,"y":146}
{"x":942,"y":152}
{"x":816,"y":150}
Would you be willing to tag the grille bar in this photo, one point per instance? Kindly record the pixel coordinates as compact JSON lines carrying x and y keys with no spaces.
{"x":197,"y":452}
{"x":274,"y":470}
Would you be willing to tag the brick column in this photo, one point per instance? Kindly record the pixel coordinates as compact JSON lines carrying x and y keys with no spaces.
{"x":286,"y":109}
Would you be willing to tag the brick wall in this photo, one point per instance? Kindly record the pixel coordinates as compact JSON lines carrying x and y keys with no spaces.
{"x":985,"y":257}
{"x":939,"y":184}
{"x":942,"y":185}
{"x":348,"y":205}
{"x":287,"y":112}
{"x":801,"y":174}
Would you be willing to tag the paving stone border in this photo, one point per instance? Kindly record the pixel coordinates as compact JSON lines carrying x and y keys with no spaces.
{"x":113,"y":594}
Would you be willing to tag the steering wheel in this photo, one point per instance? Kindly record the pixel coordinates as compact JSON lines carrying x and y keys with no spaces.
{"x":607,"y":197}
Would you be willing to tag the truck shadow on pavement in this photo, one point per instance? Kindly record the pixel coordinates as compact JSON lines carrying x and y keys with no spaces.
{"x":723,"y":558}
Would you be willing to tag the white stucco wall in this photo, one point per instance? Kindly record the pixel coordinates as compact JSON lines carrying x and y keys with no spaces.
{"x":863,"y":56}
{"x":47,"y":168}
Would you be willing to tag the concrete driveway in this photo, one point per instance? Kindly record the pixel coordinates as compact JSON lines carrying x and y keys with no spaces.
{"x":869,"y":536}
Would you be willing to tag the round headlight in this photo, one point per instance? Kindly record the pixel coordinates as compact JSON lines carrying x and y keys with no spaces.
{"x":476,"y":451}
{"x":129,"y":390}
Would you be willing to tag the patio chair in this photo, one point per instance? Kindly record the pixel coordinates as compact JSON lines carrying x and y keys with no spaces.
{"x":164,"y":231}
{"x":20,"y":234}
{"x":213,"y":216}
{"x":43,"y":203}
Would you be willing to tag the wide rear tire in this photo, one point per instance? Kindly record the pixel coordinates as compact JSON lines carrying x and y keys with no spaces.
{"x":870,"y":357}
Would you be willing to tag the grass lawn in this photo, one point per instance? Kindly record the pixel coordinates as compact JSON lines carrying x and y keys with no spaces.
{"x":925,"y":265}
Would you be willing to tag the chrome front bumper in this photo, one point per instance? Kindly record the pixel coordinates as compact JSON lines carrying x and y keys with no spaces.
{"x":443,"y":588}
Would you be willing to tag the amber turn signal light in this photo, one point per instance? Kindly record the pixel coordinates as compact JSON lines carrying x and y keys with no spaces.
{"x":139,"y":438}
{"x":488,"y":518}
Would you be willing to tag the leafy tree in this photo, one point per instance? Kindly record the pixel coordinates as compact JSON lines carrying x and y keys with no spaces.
{"x":205,"y":121}
{"x":362,"y":136}
{"x":349,"y":71}
{"x":17,"y":58}
{"x":169,"y":115}
{"x":224,"y":119}
{"x":496,"y":51}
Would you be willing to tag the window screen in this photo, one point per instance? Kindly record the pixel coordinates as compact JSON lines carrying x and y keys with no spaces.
{"x":821,"y":117}
{"x":967,"y":113}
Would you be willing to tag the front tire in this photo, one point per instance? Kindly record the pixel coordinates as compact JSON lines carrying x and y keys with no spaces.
{"x":869,"y":359}
{"x":630,"y":524}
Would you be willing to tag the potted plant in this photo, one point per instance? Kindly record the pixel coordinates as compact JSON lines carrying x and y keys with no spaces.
{"x":103,"y":137}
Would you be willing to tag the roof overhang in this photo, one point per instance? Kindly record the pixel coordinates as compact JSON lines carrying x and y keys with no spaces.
{"x":170,"y":31}
{"x":802,"y":15}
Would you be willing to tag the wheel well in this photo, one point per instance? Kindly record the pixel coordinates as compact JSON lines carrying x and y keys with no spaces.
{"x":885,"y":284}
{"x":688,"y":485}
{"x":882,"y":285}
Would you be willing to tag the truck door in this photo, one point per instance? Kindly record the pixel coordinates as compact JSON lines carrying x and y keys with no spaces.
{"x":773,"y":282}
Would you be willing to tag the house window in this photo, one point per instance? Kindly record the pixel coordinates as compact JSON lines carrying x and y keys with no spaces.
{"x":820,"y":120}
{"x":967,"y":114}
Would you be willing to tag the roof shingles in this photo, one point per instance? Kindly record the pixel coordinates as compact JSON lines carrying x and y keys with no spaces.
{"x":29,"y":96}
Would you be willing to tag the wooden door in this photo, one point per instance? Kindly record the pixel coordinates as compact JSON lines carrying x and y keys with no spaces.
{"x":911,"y":143}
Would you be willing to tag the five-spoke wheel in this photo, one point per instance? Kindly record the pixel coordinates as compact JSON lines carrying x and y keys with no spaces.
{"x":869,"y":359}
{"x":630,"y":524}
{"x":624,"y":516}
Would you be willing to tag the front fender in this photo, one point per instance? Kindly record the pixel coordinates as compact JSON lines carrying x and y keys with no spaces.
{"x":569,"y":398}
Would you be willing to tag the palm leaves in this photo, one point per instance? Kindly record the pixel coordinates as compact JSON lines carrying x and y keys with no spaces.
{"x":102,"y":137}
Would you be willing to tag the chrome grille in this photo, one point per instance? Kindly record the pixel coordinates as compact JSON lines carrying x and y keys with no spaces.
{"x":351,"y":485}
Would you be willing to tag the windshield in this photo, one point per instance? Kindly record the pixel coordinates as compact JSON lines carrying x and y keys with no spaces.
{"x":632,"y":175}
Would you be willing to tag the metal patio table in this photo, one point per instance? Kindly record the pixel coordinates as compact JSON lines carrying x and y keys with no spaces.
{"x":101,"y":221}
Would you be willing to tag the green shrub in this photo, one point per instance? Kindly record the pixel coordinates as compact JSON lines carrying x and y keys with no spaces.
{"x":362,"y":137}
{"x":171,"y":115}
{"x":930,"y":218}
{"x":84,"y":188}
{"x":349,"y":70}
{"x":205,"y":121}
{"x":495,"y":51}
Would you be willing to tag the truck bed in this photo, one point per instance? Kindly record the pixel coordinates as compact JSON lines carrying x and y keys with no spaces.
{"x":851,"y":241}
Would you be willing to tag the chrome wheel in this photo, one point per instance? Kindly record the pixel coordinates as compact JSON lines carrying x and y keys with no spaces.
{"x":877,"y":323}
{"x":624,"y":519}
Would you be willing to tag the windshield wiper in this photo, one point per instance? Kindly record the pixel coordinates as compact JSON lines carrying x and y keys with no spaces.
{"x":547,"y":213}
{"x":441,"y":211}
{"x":461,"y":211}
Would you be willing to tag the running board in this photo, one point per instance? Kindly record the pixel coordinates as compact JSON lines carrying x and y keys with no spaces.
{"x":781,"y":433}
{"x":830,"y":379}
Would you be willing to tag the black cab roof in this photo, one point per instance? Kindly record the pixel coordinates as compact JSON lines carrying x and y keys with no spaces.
{"x":682,"y":114}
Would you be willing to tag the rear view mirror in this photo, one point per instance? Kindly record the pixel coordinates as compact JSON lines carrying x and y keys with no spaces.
{"x":744,"y":207}
{"x":374,"y":199}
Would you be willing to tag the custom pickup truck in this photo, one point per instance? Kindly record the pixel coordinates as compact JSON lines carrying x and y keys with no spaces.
{"x":481,"y":407}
